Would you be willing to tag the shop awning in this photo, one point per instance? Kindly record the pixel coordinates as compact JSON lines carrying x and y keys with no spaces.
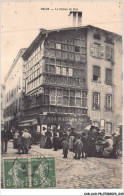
{"x":28,"y":123}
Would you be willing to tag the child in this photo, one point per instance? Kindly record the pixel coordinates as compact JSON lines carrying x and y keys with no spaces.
{"x":78,"y":148}
{"x":65,"y":146}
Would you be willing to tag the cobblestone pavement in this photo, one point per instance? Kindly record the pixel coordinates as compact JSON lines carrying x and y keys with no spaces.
{"x":90,"y":173}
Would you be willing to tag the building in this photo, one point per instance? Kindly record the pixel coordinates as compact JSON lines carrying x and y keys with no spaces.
{"x":118,"y":79}
{"x":70,"y":78}
{"x":104,"y":73}
{"x":56,"y":78}
{"x":14,"y":92}
{"x":2,"y":105}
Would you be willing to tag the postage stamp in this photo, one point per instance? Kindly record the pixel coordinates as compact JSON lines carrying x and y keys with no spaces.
{"x":36,"y":172}
{"x":43,"y":172}
{"x":15,"y":173}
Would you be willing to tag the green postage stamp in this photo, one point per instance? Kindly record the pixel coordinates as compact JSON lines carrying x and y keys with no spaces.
{"x":30,"y":172}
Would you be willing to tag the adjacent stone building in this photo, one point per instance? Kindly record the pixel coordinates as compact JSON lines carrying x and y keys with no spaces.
{"x":104,"y":73}
{"x":2,"y":105}
{"x":14,"y":92}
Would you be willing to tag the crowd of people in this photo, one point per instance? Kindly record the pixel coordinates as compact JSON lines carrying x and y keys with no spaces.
{"x":21,"y":141}
{"x":94,"y":142}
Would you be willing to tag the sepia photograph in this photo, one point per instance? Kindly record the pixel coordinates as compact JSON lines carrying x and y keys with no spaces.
{"x":61,"y":95}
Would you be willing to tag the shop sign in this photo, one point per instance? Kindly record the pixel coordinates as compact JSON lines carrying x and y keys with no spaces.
{"x":63,"y":118}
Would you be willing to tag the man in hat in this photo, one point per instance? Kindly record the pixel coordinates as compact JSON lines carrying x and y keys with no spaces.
{"x":5,"y":138}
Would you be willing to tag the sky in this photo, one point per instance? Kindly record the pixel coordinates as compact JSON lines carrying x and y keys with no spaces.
{"x":21,"y":21}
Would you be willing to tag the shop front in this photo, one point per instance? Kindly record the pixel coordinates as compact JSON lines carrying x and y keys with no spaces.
{"x":63,"y":121}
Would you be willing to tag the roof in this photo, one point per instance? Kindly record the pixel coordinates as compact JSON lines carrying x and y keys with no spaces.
{"x":80,"y":27}
{"x":43,"y":33}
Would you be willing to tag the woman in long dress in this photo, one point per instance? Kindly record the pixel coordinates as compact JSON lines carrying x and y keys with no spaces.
{"x":71,"y":139}
{"x":42,"y":138}
{"x":48,"y":143}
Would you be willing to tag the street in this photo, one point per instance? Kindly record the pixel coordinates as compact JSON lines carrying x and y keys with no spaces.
{"x":90,"y":173}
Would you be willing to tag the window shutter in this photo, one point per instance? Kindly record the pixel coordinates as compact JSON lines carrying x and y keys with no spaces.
{"x":108,"y":52}
{"x":102,"y":51}
{"x":96,"y":71}
{"x":109,"y":76}
{"x":112,"y":54}
{"x":91,"y":49}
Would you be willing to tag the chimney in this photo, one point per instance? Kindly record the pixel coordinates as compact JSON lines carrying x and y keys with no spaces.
{"x":75,"y":18}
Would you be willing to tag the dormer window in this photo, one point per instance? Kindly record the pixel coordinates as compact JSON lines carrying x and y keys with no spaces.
{"x":109,"y":40}
{"x":97,"y":36}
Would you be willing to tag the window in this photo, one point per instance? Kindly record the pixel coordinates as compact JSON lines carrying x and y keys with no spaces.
{"x":59,"y":92}
{"x":77,"y":42}
{"x":72,"y":101}
{"x":52,"y":92}
{"x":96,"y":73}
{"x":97,"y":36}
{"x":58,"y":46}
{"x":65,"y":92}
{"x":97,"y":50}
{"x":64,"y":47}
{"x":70,"y":72}
{"x":77,"y":49}
{"x":84,"y":102}
{"x":109,"y":53}
{"x":46,"y":99}
{"x":52,"y":69}
{"x":53,"y":100}
{"x":84,"y":99}
{"x":65,"y":55}
{"x":109,"y":76}
{"x":72,"y":93}
{"x":108,"y":102}
{"x":77,"y":57}
{"x":58,"y":62}
{"x":58,"y":70}
{"x":71,"y":48}
{"x":83,"y":50}
{"x":96,"y":101}
{"x":51,"y":44}
{"x":71,"y":56}
{"x":78,"y":101}
{"x":108,"y":127}
{"x":38,"y":72}
{"x":52,"y":53}
{"x":65,"y":100}
{"x":58,"y":54}
{"x":83,"y":43}
{"x":78,"y":93}
{"x":109,"y":40}
{"x":84,"y":94}
{"x":59,"y":100}
{"x":64,"y":71}
{"x":52,"y":61}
